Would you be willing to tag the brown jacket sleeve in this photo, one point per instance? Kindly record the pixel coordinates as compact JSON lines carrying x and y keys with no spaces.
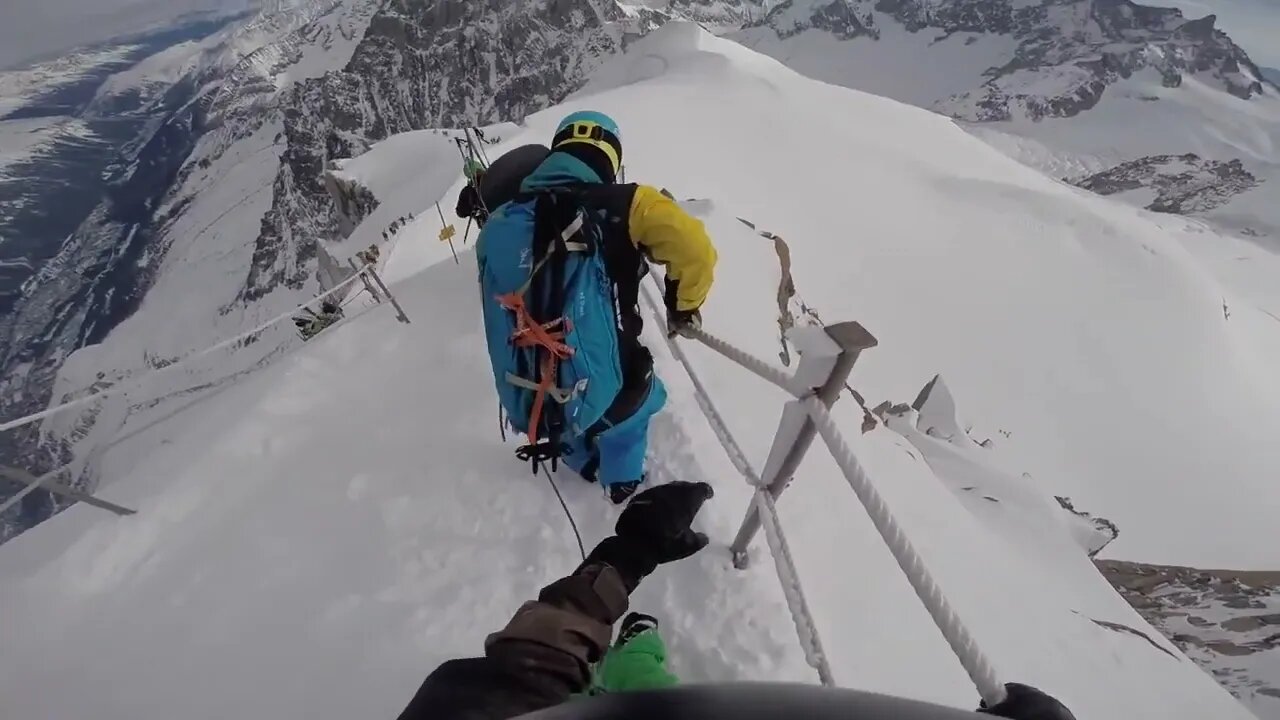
{"x":541,"y":658}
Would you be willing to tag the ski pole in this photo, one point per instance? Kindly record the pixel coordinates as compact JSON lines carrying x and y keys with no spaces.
{"x":461,"y":153}
{"x":466,"y":232}
{"x":446,"y":235}
{"x":480,"y":144}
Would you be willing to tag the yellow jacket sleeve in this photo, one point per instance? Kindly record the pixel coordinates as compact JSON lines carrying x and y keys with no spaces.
{"x":676,"y":239}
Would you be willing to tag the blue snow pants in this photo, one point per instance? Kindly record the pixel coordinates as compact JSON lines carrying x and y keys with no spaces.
{"x":617,"y":453}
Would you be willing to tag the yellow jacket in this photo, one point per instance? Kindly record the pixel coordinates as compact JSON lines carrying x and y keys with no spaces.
{"x":677,"y":240}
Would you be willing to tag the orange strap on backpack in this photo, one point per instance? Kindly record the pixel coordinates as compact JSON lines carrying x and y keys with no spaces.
{"x":550,"y":337}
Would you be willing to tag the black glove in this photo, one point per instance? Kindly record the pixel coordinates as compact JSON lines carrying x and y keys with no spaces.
{"x":654,"y":529}
{"x":684,"y":323}
{"x":679,"y":322}
{"x":1027,"y":703}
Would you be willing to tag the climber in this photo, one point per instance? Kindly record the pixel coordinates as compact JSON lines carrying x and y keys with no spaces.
{"x":310,"y":324}
{"x":545,"y":654}
{"x":574,"y":376}
{"x":487,"y":190}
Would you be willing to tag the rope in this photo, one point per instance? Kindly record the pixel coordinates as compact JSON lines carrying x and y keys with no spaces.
{"x":773,"y":374}
{"x":962,"y":642}
{"x":577,"y":535}
{"x":134,"y":382}
{"x":31,"y":487}
{"x":718,"y":425}
{"x":944,"y":616}
{"x":806,"y":628}
{"x":788,"y":576}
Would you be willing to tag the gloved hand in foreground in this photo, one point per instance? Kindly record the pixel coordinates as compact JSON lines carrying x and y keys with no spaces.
{"x":1027,"y":703}
{"x":654,"y":529}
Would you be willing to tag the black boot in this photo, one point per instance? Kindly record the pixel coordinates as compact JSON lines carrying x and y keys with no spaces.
{"x":619,"y":493}
{"x":633,"y":625}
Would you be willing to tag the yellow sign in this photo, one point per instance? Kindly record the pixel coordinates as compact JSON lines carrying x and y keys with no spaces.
{"x":447,"y":233}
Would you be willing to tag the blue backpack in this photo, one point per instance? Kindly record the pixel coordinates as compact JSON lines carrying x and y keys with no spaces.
{"x":549,"y":319}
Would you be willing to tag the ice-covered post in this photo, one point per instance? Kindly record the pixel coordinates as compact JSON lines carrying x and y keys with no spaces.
{"x":364,"y":279}
{"x":395,"y":303}
{"x":826,"y":359}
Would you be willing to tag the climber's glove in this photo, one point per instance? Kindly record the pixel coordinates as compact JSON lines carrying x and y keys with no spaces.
{"x":655,"y":528}
{"x":1024,"y":702}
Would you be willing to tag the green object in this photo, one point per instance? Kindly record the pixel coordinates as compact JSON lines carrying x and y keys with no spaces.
{"x":472,"y":169}
{"x":638,"y":664}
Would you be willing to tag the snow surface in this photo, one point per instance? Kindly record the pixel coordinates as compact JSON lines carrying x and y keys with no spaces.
{"x":17,"y":87}
{"x":1139,"y":117}
{"x":314,"y":539}
{"x":1136,"y":117}
{"x":165,"y":67}
{"x":917,"y":68}
{"x":21,"y":140}
{"x":410,"y":170}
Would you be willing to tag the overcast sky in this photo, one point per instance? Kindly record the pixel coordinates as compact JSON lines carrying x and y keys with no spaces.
{"x":37,"y":28}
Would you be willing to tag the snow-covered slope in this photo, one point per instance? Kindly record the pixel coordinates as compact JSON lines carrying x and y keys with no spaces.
{"x":231,"y":236}
{"x":1073,"y":88}
{"x":314,"y":539}
{"x":172,"y":239}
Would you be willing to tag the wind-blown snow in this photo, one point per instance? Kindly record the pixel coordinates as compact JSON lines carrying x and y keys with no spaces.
{"x":313,"y":540}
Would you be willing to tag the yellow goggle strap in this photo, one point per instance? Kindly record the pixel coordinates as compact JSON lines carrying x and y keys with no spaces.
{"x":591,"y":134}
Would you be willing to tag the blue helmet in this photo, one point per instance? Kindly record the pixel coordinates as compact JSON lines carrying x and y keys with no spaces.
{"x":593,"y":117}
{"x":594,"y":129}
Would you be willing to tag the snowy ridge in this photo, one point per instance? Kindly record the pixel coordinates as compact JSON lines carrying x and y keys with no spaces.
{"x":323,"y":521}
{"x":205,"y":227}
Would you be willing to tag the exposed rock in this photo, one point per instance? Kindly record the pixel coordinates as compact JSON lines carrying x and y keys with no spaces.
{"x":1104,"y":531}
{"x":353,"y":202}
{"x":435,"y":63}
{"x":1217,"y":617}
{"x":1182,"y":184}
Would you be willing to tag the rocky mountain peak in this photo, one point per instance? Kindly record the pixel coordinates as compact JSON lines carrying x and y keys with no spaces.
{"x":440,"y":63}
{"x":1067,"y":53}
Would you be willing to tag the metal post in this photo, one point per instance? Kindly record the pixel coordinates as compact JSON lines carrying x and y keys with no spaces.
{"x":401,"y":316}
{"x":48,"y":483}
{"x":835,"y":354}
{"x":364,"y":280}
